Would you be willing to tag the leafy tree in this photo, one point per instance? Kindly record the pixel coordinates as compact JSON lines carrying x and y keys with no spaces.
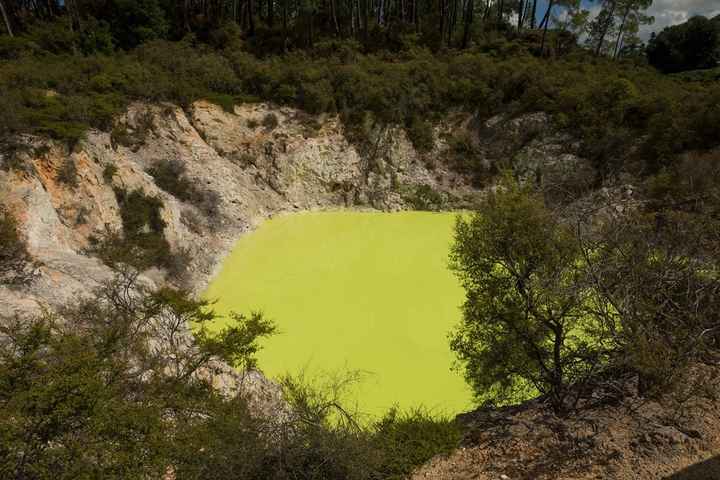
{"x":524,"y":328}
{"x":630,"y":18}
{"x":603,"y":25}
{"x":658,"y":269}
{"x":99,"y":389}
{"x":575,"y":18}
{"x":618,"y":18}
{"x":663,"y":291}
{"x":688,"y":46}
{"x":137,"y":21}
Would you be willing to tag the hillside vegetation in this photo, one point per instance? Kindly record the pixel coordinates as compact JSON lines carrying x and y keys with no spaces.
{"x":577,"y":300}
{"x":59,"y":79}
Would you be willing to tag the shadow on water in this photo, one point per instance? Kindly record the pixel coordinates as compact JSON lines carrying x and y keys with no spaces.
{"x":707,"y":470}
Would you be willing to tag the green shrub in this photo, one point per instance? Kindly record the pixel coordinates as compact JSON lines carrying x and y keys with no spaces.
{"x":526,"y":327}
{"x":465,"y":157}
{"x":140,"y":213}
{"x":270,"y":121}
{"x":13,"y":156}
{"x":609,"y":107}
{"x":68,"y":174}
{"x":109,"y":172}
{"x":141,"y":243}
{"x":227,"y":102}
{"x":424,"y":197}
{"x":14,"y":256}
{"x":420,"y":133}
{"x":112,"y":383}
{"x":13,"y":48}
{"x":316,"y":97}
{"x":408,"y":440}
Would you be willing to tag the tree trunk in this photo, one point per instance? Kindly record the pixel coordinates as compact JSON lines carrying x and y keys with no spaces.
{"x":533,"y":15}
{"x":546,"y":22}
{"x":186,"y":15}
{"x":558,"y":396}
{"x":620,"y":32}
{"x":605,"y":28}
{"x":8,"y":27}
{"x":333,"y":13}
{"x":443,"y":20}
{"x":251,"y":18}
{"x":365,"y":14}
{"x":453,"y":20}
{"x":416,"y":16}
{"x":271,"y":13}
{"x":521,"y":13}
{"x":468,"y":23}
{"x":72,"y":9}
{"x":311,"y":33}
{"x":352,"y":18}
{"x":285,"y":24}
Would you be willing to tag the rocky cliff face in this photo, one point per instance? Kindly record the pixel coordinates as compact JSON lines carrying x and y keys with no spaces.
{"x":257,"y":161}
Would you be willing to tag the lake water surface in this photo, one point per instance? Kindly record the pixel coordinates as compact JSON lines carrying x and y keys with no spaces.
{"x":364,"y":291}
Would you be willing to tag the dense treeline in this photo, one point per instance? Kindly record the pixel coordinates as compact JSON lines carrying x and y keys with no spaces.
{"x":279,"y":25}
{"x":610,"y":107}
{"x":76,"y":65}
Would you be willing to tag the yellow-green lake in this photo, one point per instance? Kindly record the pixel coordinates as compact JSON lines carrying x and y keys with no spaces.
{"x":363,"y":291}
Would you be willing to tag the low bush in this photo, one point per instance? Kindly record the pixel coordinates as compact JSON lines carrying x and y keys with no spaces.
{"x":561,"y":305}
{"x":141,"y":243}
{"x":421,"y":135}
{"x":14,"y":256}
{"x":410,"y":439}
{"x":109,"y":171}
{"x":68,"y":174}
{"x":111,"y":382}
{"x":424,"y":197}
{"x":270,"y":121}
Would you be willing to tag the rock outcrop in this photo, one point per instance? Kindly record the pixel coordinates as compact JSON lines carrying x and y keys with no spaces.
{"x":257,"y":161}
{"x":620,"y":439}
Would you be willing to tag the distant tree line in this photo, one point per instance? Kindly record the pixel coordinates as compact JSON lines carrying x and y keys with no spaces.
{"x":692,"y":45}
{"x":279,"y":25}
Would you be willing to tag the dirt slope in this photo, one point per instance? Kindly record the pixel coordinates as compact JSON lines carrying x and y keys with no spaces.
{"x":620,"y":440}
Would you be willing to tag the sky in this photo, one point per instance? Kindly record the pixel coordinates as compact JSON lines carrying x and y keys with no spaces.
{"x":666,"y":12}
